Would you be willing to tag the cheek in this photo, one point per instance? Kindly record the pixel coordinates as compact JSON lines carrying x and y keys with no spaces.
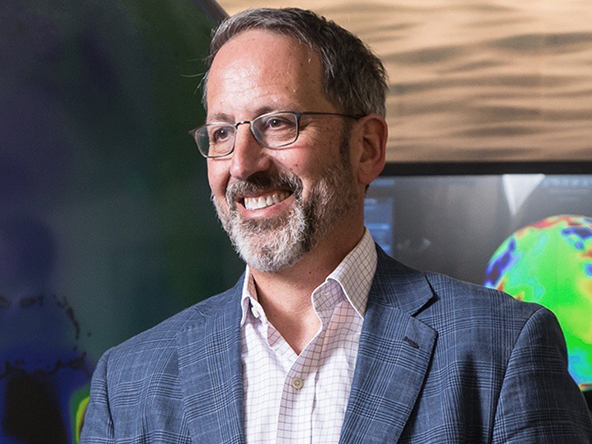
{"x":217,"y":178}
{"x":305,"y":160}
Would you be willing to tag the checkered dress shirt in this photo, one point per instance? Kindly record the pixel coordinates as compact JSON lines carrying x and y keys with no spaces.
{"x":292,"y":398}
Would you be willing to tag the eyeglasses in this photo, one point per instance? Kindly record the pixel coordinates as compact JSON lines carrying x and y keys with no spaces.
{"x":272,"y":130}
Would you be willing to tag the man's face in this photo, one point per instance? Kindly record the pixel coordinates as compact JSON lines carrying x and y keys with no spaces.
{"x":277,"y":205}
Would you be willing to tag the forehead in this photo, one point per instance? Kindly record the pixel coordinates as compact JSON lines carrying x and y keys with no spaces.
{"x":260,"y":70}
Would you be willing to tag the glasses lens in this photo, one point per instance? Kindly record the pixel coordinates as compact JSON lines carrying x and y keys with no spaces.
{"x":214,"y":140}
{"x":276,"y":129}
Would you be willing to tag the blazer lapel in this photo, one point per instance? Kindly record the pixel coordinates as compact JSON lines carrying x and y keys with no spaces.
{"x":394,"y":354}
{"x":210,"y":371}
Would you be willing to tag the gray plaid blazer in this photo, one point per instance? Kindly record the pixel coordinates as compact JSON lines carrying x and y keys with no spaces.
{"x":440,"y":361}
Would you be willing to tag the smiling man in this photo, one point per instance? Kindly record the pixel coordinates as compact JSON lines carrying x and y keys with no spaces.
{"x":325,"y":338}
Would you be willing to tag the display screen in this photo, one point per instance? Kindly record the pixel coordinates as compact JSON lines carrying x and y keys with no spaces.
{"x":527,"y":234}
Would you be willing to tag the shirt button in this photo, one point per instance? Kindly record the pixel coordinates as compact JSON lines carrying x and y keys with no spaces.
{"x":297,"y":383}
{"x":255,"y":312}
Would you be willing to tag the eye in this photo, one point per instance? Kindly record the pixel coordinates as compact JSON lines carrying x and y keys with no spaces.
{"x":277,"y":123}
{"x":220,"y":134}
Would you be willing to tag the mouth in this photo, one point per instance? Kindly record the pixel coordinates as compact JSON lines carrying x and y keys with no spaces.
{"x":265,"y":200}
{"x":264,"y":193}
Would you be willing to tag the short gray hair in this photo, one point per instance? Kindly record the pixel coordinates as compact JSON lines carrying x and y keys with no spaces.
{"x":355,"y":80}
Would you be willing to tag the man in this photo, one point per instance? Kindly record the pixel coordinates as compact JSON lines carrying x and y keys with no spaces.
{"x":325,"y":339}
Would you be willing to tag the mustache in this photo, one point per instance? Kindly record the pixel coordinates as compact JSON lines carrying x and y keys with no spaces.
{"x":262,"y":181}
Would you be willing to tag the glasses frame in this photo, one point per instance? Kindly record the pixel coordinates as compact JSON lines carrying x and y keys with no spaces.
{"x":298,"y":115}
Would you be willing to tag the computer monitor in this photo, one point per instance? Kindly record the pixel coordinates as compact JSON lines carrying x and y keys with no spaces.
{"x":523,"y":228}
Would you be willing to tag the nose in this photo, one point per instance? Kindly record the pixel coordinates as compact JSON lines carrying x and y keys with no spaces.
{"x":248,"y":156}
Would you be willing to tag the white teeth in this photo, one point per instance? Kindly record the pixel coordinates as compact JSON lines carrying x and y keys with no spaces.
{"x":256,"y":203}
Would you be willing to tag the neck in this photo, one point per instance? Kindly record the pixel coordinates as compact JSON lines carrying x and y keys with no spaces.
{"x":286,"y":295}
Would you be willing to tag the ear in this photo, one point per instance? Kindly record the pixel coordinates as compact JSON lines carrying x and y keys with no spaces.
{"x":374,"y":134}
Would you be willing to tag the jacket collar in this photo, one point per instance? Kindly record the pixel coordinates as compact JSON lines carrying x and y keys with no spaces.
{"x":393,"y":356}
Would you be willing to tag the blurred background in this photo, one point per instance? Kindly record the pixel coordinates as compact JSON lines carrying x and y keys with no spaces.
{"x":493,"y":80}
{"x":105,"y":222}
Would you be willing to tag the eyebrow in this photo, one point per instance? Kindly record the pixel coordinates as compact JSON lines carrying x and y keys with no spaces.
{"x":219,"y":117}
{"x":226,"y":118}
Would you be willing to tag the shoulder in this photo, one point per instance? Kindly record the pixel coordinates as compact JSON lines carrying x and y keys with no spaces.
{"x":466,"y":297}
{"x":484,"y":308}
{"x":453,"y":307}
{"x":157,"y":347}
{"x":479,"y":324}
{"x":442,"y":293}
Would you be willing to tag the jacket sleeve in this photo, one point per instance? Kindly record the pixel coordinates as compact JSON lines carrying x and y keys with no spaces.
{"x":539,"y":401}
{"x":98,"y":423}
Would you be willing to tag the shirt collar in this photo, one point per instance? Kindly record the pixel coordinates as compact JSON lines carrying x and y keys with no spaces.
{"x":354,"y":275}
{"x":249,"y":295}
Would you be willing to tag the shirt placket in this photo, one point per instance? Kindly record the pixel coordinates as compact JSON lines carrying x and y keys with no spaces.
{"x":294,"y":421}
{"x":299,"y":389}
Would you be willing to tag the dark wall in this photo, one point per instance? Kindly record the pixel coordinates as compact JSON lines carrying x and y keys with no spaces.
{"x":105,"y":222}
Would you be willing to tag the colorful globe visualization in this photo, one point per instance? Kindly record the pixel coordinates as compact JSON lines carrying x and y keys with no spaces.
{"x":550,"y":262}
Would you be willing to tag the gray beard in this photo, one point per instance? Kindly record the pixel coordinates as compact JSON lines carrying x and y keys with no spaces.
{"x":274,"y":244}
